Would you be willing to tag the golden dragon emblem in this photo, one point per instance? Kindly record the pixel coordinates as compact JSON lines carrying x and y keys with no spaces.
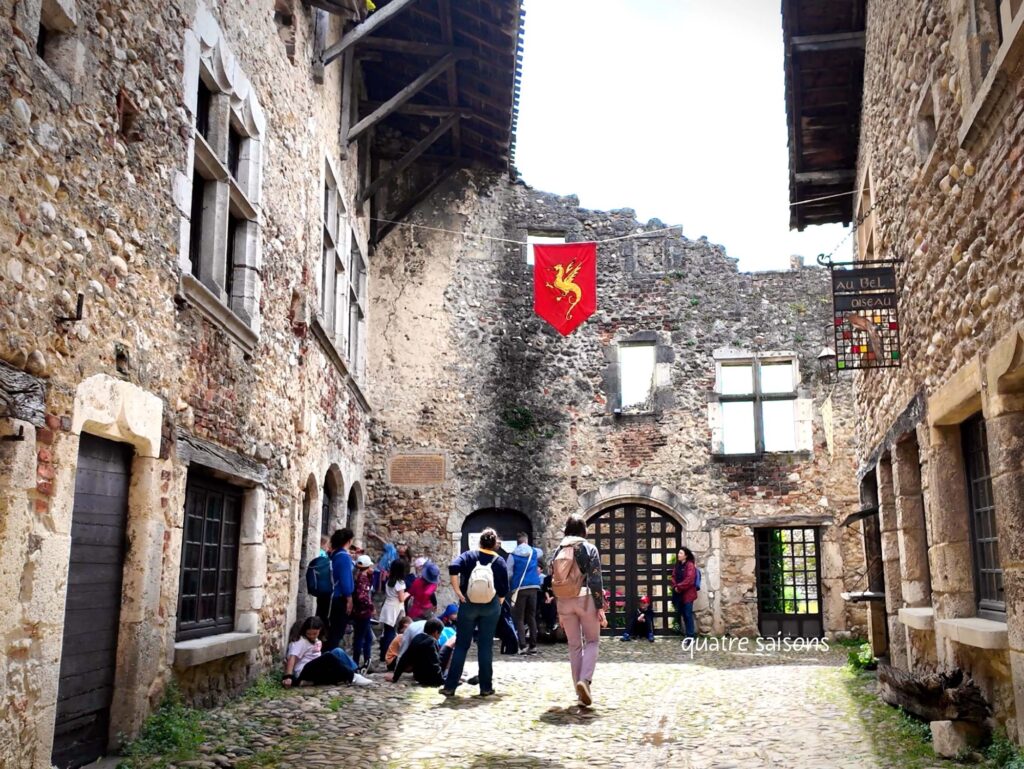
{"x":565,"y":275}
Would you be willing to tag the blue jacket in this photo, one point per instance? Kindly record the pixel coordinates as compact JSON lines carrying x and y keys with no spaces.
{"x":463,"y":566}
{"x":341,"y":573}
{"x":524,"y":562}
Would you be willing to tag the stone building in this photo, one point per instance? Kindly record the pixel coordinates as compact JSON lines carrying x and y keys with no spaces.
{"x":645,"y":419}
{"x":193,"y":194}
{"x":914,"y":111}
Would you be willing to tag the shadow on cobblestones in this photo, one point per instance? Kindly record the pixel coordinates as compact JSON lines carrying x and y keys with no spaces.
{"x":571,"y":716}
{"x":492,"y":760}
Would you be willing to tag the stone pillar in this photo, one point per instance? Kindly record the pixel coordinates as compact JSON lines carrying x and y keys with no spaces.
{"x":912,"y":535}
{"x":949,"y":555}
{"x":891,"y":563}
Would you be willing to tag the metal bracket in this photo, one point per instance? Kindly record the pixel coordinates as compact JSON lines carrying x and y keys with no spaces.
{"x":78,"y":311}
{"x":19,"y":436}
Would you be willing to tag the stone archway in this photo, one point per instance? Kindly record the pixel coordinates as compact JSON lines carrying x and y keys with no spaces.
{"x":506,"y":521}
{"x":332,"y":501}
{"x":354,"y":510}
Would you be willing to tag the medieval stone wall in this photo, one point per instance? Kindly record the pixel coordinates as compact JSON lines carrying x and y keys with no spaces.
{"x":940,"y":174}
{"x":96,"y":167}
{"x":461,"y":366}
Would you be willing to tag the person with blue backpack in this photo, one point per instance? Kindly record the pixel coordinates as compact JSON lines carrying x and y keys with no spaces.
{"x":685,"y":584}
{"x":318,"y":580}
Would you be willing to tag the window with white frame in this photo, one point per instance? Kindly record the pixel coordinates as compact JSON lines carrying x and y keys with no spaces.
{"x":757,"y":405}
{"x":540,"y":238}
{"x":636,"y":377}
{"x":218,"y":192}
{"x":342,"y":278}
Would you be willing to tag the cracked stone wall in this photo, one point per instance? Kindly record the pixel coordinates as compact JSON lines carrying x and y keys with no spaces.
{"x":460,"y":366}
{"x":91,"y":207}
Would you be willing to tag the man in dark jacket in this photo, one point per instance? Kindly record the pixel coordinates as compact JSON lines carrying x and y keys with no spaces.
{"x":421,"y":658}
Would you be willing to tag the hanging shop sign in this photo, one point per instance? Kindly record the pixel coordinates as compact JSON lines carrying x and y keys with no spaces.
{"x":565,"y":284}
{"x":867,"y":325}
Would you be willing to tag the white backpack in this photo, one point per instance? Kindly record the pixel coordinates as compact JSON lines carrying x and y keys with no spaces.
{"x":480,"y":587}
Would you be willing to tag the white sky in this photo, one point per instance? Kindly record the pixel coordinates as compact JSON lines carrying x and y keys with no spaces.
{"x":675,"y":108}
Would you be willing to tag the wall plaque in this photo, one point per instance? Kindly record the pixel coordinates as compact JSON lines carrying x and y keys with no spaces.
{"x":416,"y":469}
{"x":867,"y":325}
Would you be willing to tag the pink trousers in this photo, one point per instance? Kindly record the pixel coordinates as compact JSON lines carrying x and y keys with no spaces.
{"x":578,"y":617}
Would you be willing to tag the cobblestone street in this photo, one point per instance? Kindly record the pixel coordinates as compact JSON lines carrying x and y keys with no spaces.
{"x":653,"y":707}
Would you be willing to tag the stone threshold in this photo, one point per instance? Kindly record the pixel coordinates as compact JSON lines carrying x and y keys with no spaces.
{"x":198,"y":651}
{"x":919,"y":618}
{"x":974,"y":631}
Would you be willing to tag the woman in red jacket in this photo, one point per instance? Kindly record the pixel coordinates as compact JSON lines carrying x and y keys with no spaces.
{"x":684,"y":590}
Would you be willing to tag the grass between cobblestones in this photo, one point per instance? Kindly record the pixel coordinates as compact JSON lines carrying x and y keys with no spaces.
{"x":899,"y":740}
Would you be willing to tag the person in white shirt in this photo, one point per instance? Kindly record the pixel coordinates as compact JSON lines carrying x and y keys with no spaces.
{"x":305,"y":665}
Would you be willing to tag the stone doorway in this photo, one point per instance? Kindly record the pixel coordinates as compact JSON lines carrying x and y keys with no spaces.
{"x":92,"y":613}
{"x":638,"y":546}
{"x":507,"y":522}
{"x":789,"y":583}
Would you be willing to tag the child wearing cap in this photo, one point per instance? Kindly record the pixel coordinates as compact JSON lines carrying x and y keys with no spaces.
{"x":362,"y":612}
{"x":643,"y":622}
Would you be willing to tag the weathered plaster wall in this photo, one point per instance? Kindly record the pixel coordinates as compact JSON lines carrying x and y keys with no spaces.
{"x":461,"y":365}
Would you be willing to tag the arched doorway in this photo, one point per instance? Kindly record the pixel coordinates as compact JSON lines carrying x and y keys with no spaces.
{"x":507,"y":522}
{"x":638,"y":545}
{"x":355,"y":511}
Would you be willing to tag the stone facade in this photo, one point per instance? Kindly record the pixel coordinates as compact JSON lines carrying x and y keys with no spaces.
{"x":461,"y":367}
{"x":940,"y":187}
{"x":97,"y":158}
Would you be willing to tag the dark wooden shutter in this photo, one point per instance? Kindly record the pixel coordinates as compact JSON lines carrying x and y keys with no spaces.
{"x":93,"y":604}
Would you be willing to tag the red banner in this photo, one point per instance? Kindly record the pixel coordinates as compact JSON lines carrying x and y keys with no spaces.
{"x":565,"y":284}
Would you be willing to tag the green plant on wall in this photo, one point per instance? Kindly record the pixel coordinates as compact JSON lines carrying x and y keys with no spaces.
{"x":518,"y":418}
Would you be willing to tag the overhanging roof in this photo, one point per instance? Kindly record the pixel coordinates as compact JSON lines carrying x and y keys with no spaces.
{"x":824,"y":62}
{"x":440,"y":83}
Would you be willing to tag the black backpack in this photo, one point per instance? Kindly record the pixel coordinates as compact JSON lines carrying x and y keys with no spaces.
{"x":318,"y":577}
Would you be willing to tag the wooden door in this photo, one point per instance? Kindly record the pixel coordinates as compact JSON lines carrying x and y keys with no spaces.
{"x":638,"y":547}
{"x":93,"y":603}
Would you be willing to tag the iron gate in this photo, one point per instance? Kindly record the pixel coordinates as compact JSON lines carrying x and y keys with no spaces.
{"x":789,"y":583}
{"x":638,"y":547}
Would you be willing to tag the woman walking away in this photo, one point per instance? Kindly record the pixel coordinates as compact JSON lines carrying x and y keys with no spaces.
{"x":684,"y":590}
{"x":579,"y":589}
{"x":480,"y":580}
{"x":394,"y":604}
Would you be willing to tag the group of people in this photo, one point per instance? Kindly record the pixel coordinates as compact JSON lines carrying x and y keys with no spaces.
{"x":415,"y":639}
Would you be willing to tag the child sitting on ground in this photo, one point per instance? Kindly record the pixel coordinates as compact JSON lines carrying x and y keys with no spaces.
{"x":421,"y":658}
{"x":391,"y":657}
{"x":643,"y":622}
{"x":305,"y":665}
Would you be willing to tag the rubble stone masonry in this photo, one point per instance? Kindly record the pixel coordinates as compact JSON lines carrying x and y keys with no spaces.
{"x":461,"y":366}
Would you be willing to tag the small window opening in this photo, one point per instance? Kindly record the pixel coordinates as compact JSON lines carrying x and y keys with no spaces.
{"x":924,"y":128}
{"x":127,"y":114}
{"x":636,"y":377}
{"x":540,"y":238}
{"x":235,"y":233}
{"x":43,"y":38}
{"x":203,"y":102}
{"x":234,"y":151}
{"x":196,"y":231}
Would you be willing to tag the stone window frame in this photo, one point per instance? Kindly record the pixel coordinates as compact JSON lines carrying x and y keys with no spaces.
{"x":251,"y":575}
{"x":991,"y":47}
{"x":803,"y":429}
{"x":986,"y":608}
{"x":339,"y":322}
{"x":542,"y":236}
{"x":662,"y":396}
{"x":58,"y":52}
{"x":866,"y":231}
{"x":229,"y":160}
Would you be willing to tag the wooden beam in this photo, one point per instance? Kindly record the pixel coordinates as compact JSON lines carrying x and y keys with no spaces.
{"x":429,"y":110}
{"x":360,"y":31}
{"x":319,"y":42}
{"x":826,"y":177}
{"x":444,"y":12}
{"x":402,"y":96}
{"x":408,"y":46}
{"x":834,"y":42}
{"x":348,"y":109}
{"x":410,"y":157}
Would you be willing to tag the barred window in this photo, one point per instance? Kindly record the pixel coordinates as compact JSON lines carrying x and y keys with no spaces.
{"x":988,"y":574}
{"x":209,"y":558}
